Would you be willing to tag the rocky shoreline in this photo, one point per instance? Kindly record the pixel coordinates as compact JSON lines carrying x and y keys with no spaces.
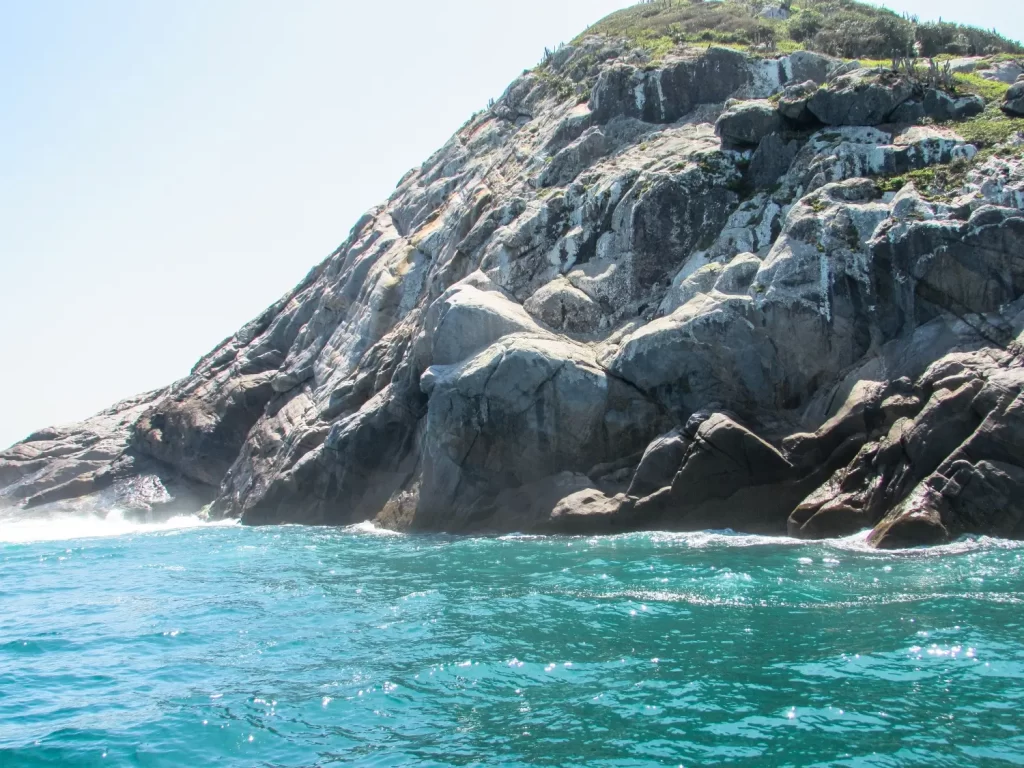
{"x":699,"y":291}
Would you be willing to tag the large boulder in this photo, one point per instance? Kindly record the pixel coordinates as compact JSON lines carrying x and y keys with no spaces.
{"x":728,"y":478}
{"x":1007,"y":72}
{"x":563,"y":307}
{"x":808,"y":65}
{"x":660,"y":462}
{"x":938,"y":106}
{"x":747,"y":123}
{"x":523,"y":409}
{"x":861,"y":97}
{"x":470,"y":316}
{"x":1013,"y":102}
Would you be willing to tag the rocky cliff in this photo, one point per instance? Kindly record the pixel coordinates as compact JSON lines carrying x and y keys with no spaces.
{"x":703,"y":289}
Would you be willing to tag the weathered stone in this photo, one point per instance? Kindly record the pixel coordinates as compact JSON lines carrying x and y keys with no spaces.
{"x":563,"y":307}
{"x":861,"y":97}
{"x":1013,"y":102}
{"x":808,"y":65}
{"x":773,"y":157}
{"x":522,"y":408}
{"x":794,"y":100}
{"x":747,"y":123}
{"x":1007,"y":72}
{"x":665,"y":94}
{"x":939,"y":106}
{"x":659,"y":464}
{"x":588,"y":511}
{"x":728,"y":478}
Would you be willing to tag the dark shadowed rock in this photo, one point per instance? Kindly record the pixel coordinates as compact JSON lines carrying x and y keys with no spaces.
{"x":747,"y":123}
{"x":564,"y":503}
{"x":728,"y":478}
{"x":939,"y":106}
{"x":861,"y":97}
{"x":659,"y":464}
{"x":665,"y":94}
{"x":793,"y":103}
{"x":773,"y":157}
{"x":1013,"y":102}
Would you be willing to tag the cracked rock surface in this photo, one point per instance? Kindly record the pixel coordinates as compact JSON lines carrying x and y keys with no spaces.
{"x":590,"y":312}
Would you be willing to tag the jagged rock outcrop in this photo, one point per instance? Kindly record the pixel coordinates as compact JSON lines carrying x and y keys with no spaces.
{"x":58,"y":465}
{"x":589,"y":312}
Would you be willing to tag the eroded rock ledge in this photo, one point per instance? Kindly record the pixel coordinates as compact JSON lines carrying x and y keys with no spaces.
{"x":680,"y":301}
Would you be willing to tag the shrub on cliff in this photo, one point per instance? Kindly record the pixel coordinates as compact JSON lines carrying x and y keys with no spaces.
{"x":838,"y":27}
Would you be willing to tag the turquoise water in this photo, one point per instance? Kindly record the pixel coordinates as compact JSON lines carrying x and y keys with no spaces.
{"x":193,"y":645}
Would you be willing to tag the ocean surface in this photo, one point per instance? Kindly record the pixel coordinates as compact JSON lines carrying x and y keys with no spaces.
{"x":190,"y":644}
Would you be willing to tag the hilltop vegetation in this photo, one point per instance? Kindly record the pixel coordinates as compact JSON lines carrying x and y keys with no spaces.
{"x":837,"y":27}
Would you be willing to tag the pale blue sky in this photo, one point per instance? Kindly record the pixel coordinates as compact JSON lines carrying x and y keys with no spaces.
{"x":167,"y":169}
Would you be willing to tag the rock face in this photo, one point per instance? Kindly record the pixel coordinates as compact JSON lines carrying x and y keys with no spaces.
{"x":748,"y":123}
{"x":59,"y":465}
{"x":631,"y":295}
{"x":1013,"y":103}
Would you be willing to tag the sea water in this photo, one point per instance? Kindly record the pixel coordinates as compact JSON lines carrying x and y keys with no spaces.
{"x":190,"y":644}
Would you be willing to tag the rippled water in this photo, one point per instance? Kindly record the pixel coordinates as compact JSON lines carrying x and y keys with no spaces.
{"x":192,"y":645}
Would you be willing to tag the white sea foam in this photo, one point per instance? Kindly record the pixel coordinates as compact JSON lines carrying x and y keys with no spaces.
{"x":64,"y":527}
{"x":369,"y":527}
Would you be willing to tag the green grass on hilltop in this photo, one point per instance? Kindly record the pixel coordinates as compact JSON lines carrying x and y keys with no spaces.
{"x":837,"y":27}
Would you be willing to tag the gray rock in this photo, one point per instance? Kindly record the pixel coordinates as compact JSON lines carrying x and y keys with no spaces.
{"x":575,"y":158}
{"x":808,"y":65}
{"x":1013,"y":102}
{"x":861,"y":97}
{"x":738,"y":275}
{"x":794,"y":101}
{"x":467,"y":319}
{"x":747,"y":123}
{"x":586,"y":512}
{"x":562,"y":307}
{"x":728,"y":478}
{"x":513,"y":413}
{"x":665,"y":94}
{"x":939,"y":106}
{"x":55,"y":466}
{"x":564,"y":503}
{"x":1004,"y":72}
{"x":659,"y":465}
{"x":772,"y":159}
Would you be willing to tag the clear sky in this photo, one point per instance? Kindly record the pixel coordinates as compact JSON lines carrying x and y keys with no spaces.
{"x":168,"y":169}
